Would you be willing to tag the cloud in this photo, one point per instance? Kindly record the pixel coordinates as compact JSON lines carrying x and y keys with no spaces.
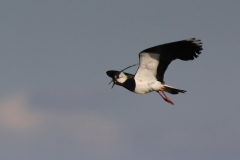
{"x":15,"y":113}
{"x":87,"y":129}
{"x":92,"y":131}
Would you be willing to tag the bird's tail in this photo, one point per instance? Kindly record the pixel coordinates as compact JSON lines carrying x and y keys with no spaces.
{"x":173,"y":90}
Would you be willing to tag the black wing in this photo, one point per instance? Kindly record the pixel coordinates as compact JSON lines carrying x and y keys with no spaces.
{"x":159,"y":57}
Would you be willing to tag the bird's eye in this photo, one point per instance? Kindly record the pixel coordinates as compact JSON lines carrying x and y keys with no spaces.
{"x":117,"y":76}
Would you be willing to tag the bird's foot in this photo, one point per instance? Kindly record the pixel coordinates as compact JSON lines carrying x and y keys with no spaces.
{"x":168,"y":100}
{"x":165,"y":98}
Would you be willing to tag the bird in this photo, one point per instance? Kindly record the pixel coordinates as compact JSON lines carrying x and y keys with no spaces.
{"x":153,"y":62}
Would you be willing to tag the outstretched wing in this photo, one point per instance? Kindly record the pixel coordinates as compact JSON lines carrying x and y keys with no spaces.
{"x":154,"y":61}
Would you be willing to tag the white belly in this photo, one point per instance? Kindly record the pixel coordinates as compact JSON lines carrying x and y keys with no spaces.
{"x":147,"y":86}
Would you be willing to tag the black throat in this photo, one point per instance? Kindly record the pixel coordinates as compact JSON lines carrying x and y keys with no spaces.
{"x":129,"y":84}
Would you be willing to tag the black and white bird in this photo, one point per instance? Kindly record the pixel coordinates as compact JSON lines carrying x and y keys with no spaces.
{"x":153,"y":63}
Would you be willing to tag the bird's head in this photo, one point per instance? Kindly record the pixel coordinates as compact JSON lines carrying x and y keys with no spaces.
{"x":118,"y":77}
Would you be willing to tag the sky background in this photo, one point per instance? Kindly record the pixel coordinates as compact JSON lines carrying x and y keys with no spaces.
{"x":55,"y":101}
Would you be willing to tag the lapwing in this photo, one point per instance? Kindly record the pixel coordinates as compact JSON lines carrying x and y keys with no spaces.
{"x":153,"y":63}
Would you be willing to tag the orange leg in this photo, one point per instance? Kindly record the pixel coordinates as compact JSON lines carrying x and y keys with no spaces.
{"x":165,"y":98}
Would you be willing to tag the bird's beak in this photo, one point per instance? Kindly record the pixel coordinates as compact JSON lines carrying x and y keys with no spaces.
{"x":114,"y":82}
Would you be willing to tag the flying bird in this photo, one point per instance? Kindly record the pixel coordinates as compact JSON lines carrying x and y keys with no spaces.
{"x":153,"y":63}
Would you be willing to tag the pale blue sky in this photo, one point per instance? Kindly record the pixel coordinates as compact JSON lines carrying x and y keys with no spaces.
{"x":55,"y":102}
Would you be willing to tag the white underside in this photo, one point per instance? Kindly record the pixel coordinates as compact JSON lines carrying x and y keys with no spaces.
{"x":148,"y":86}
{"x":145,"y":77}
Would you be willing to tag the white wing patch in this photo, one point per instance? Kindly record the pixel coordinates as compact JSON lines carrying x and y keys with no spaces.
{"x":148,"y":64}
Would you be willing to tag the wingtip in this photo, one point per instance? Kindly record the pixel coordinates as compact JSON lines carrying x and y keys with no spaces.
{"x":198,"y":43}
{"x":190,"y":39}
